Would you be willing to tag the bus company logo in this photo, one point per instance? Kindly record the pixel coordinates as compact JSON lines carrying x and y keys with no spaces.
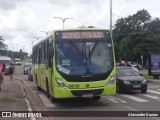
{"x":87,"y":85}
{"x":6,"y":114}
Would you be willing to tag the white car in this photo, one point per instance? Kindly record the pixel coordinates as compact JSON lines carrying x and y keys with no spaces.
{"x":17,"y":61}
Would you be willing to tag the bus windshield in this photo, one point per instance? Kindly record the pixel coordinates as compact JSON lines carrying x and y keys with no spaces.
{"x":84,"y":57}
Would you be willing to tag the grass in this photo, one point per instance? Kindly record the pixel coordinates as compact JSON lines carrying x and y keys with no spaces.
{"x":146,"y":76}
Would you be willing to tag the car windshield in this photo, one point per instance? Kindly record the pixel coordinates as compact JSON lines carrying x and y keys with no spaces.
{"x":82,"y":58}
{"x":17,"y":60}
{"x":27,"y":65}
{"x":126,"y":72}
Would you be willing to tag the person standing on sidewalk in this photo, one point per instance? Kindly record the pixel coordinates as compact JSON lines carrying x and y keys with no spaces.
{"x":3,"y":71}
{"x":11,"y":71}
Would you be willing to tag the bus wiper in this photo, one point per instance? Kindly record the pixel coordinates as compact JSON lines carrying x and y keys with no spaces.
{"x":89,"y":67}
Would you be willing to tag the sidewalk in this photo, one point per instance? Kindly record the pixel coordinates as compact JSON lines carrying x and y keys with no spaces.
{"x":12,"y":98}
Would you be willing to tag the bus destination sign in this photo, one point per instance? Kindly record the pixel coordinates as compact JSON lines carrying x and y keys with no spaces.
{"x":82,"y":35}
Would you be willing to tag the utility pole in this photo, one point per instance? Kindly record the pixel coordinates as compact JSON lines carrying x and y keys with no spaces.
{"x":12,"y":51}
{"x":111,"y":16}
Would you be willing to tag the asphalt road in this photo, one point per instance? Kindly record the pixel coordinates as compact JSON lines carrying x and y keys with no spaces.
{"x":131,"y":101}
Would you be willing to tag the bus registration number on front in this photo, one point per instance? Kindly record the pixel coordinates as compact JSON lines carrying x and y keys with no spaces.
{"x":87,"y":95}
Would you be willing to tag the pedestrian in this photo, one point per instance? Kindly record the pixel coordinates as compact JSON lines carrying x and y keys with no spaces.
{"x":3,"y":70}
{"x":11,"y":71}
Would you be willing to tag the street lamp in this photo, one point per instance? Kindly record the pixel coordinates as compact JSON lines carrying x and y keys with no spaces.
{"x":63,"y":20}
{"x":45,"y":32}
{"x":37,"y":38}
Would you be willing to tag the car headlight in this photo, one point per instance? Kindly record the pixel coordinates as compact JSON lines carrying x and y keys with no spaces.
{"x":126,"y":82}
{"x":144,"y":81}
{"x":111,"y":81}
{"x":60,"y":83}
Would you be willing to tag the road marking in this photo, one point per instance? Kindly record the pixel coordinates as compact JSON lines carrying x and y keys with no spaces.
{"x":115,"y":100}
{"x":134,"y":98}
{"x":46,"y":101}
{"x":155,"y":92}
{"x":153,"y":86}
{"x":27,"y":101}
{"x":151,"y":96}
{"x":24,"y":94}
{"x":130,"y":108}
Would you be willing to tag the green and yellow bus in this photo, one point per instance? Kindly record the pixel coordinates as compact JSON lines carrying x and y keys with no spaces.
{"x":75,"y":63}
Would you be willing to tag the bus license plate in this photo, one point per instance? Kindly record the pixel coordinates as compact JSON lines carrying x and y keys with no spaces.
{"x":136,"y":86}
{"x":88,"y":95}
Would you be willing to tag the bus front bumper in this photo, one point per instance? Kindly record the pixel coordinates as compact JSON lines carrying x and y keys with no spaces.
{"x":71,"y":93}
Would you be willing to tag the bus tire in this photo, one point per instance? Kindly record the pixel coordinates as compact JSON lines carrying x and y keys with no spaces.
{"x":38,"y":88}
{"x":47,"y":88}
{"x":52,"y":99}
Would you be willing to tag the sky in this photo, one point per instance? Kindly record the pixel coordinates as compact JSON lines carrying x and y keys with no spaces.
{"x":21,"y":21}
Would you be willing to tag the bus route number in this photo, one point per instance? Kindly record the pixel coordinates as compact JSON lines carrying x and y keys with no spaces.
{"x":74,"y":86}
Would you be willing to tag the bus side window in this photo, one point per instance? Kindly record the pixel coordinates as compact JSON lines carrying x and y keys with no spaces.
{"x":46,"y":52}
{"x":40,"y":55}
{"x":50,"y":53}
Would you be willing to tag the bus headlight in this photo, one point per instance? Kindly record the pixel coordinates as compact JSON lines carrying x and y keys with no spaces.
{"x":60,"y":83}
{"x":111,"y":81}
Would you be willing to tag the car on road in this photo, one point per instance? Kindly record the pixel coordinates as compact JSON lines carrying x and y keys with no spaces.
{"x":26,"y":67}
{"x":127,"y":64}
{"x":17,"y":61}
{"x":129,"y":79}
{"x":137,"y":65}
{"x":30,"y":75}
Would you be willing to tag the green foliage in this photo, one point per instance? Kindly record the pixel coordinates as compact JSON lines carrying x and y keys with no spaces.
{"x":2,"y":45}
{"x":21,"y":55}
{"x":5,"y":52}
{"x":136,"y":35}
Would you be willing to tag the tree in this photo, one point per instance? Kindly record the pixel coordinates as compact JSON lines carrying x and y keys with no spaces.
{"x":152,"y":27}
{"x":124,"y":30}
{"x":134,"y":23}
{"x":2,"y":45}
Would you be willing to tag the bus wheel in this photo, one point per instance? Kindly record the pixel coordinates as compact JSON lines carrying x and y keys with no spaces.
{"x":38,"y":88}
{"x":52,"y":99}
{"x":47,"y":88}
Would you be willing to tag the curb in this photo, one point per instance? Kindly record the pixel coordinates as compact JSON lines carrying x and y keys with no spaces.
{"x":153,"y":81}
